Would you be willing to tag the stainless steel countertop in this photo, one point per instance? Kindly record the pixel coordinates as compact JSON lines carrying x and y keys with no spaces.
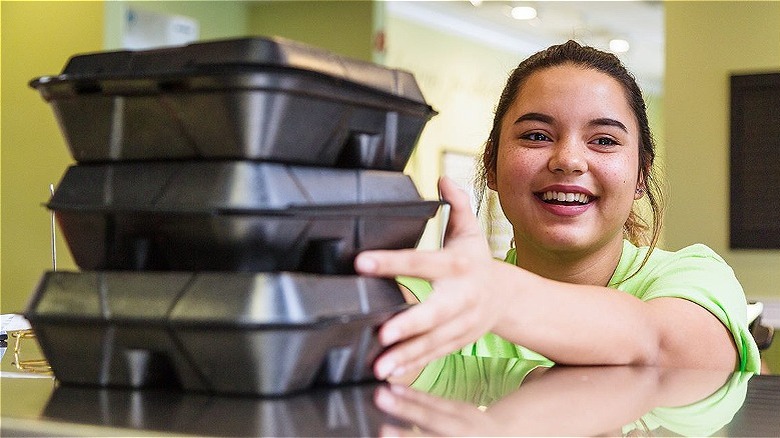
{"x":473,"y":398}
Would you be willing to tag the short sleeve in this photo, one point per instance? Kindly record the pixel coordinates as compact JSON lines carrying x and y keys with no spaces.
{"x":698,"y":274}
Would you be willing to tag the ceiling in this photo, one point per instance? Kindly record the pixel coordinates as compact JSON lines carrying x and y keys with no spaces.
{"x":594,"y":23}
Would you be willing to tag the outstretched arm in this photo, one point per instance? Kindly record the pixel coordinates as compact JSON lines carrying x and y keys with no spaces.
{"x":571,"y":324}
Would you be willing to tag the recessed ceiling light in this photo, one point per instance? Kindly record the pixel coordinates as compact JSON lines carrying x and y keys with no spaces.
{"x":619,"y":46}
{"x":523,"y":13}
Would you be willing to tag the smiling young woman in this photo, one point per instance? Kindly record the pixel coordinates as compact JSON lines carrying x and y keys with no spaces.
{"x":569,"y":153}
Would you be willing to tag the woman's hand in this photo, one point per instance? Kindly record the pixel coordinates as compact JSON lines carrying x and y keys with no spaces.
{"x":464,"y":305}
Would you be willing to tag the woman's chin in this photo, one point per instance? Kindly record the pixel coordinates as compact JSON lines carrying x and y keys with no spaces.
{"x":572,"y":243}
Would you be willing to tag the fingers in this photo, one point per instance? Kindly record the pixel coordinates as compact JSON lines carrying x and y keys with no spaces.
{"x":464,"y":241}
{"x":387,"y":430}
{"x":411,"y":355}
{"x":453,"y":194}
{"x":428,"y":331}
{"x":428,"y":413}
{"x":392,"y":400}
{"x":427,"y":265}
{"x":463,"y":230}
{"x":440,"y":325}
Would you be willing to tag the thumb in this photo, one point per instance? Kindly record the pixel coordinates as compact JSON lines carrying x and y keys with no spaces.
{"x":462,"y":221}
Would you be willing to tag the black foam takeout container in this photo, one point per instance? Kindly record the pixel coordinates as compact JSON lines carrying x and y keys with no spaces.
{"x":242,"y":333}
{"x":250,"y":98}
{"x":234,"y":216}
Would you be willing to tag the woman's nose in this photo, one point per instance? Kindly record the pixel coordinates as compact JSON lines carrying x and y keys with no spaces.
{"x":568,"y":157}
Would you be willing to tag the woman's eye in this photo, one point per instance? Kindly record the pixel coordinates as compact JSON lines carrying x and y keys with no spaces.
{"x":536,"y":136}
{"x":605,"y":141}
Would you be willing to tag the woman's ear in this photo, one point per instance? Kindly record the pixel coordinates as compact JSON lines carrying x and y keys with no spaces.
{"x":641,"y":187}
{"x":489,"y":161}
{"x":491,"y":179}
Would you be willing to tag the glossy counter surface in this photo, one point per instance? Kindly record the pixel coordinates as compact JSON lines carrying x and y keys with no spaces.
{"x":454,"y":396}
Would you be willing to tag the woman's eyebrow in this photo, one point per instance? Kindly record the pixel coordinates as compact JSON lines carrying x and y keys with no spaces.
{"x":544,"y":118}
{"x":606,"y":121}
{"x":537,"y":117}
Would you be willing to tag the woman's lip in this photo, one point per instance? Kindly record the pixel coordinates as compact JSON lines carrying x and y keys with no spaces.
{"x":564,"y":210}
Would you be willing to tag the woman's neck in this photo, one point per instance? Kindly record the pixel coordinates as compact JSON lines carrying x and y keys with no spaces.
{"x":589,"y":267}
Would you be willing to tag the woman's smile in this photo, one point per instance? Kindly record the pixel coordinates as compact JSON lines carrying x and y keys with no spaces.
{"x":562,"y":200}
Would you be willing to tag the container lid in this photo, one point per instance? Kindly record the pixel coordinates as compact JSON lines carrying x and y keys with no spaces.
{"x":235,"y":56}
{"x":274,"y":300}
{"x":238,"y":187}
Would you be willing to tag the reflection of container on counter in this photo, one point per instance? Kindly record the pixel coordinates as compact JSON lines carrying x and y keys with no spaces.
{"x":254,"y":98}
{"x":322,"y":412}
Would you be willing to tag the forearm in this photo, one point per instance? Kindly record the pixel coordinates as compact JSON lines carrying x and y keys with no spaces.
{"x":581,"y":325}
{"x":575,"y":324}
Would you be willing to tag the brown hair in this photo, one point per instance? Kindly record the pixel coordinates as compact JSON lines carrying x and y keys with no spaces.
{"x":636,"y":227}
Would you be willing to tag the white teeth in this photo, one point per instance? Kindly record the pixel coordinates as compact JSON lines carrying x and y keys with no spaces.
{"x":566,"y":197}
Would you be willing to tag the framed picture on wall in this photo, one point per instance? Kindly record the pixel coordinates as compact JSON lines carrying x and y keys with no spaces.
{"x":755,"y":161}
{"x":142,"y":29}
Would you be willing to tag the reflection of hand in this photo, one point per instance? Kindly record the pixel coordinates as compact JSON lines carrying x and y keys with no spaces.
{"x":568,"y":401}
{"x":431,"y":415}
{"x":459,"y":311}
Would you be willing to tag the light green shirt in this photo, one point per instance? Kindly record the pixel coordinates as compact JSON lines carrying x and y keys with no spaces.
{"x":695,"y":273}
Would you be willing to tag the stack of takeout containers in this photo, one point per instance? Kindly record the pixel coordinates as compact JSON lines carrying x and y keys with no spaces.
{"x":221,"y":192}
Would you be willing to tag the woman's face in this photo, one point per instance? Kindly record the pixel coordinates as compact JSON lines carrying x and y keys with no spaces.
{"x":567,"y":161}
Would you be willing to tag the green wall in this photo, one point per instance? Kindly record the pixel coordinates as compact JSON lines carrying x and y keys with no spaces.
{"x":216,"y":19}
{"x":705,"y":43}
{"x":37,"y":39}
{"x":344,"y":27}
